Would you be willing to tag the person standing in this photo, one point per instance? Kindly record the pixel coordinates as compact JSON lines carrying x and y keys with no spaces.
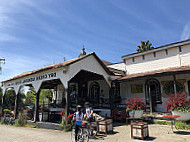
{"x":88,"y":112}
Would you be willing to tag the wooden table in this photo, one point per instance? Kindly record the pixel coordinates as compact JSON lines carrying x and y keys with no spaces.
{"x":172,"y":119}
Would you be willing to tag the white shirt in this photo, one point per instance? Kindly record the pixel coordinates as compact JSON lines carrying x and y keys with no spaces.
{"x":88,"y":112}
{"x":79,"y":117}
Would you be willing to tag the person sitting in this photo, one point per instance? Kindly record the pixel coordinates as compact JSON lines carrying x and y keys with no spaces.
{"x":88,"y":113}
{"x":79,"y":117}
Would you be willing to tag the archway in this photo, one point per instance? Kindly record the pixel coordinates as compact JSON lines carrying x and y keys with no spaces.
{"x":153,"y":93}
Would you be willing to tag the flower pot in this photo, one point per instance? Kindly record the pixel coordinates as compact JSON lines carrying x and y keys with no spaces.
{"x":184,"y":116}
{"x":45,"y":116}
{"x":136,"y":113}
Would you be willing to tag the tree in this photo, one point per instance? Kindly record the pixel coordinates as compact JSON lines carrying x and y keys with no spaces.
{"x":145,"y":45}
{"x":30,"y":97}
{"x":45,"y":96}
{"x":1,"y":95}
{"x":9,"y":99}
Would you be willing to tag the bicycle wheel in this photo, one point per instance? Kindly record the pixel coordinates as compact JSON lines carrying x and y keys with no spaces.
{"x":73,"y":134}
{"x":85,"y":135}
{"x":93,"y":130}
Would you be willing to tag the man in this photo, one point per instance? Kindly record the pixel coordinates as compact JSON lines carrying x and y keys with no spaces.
{"x":88,"y":112}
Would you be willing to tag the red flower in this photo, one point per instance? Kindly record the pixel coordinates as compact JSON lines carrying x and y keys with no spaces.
{"x":136,"y":103}
{"x":62,"y":112}
{"x":178,"y":101}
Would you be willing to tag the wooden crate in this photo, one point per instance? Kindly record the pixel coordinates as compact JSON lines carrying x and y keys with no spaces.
{"x":139,"y":130}
{"x":105,"y":126}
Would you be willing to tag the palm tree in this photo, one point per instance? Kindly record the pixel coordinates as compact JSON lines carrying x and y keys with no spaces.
{"x":145,"y":45}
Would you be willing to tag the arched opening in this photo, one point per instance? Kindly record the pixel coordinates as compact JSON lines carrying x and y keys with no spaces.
{"x":86,"y":86}
{"x":94,"y":91}
{"x":153,"y":93}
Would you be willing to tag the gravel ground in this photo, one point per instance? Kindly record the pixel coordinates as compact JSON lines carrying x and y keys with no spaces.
{"x":157,"y":133}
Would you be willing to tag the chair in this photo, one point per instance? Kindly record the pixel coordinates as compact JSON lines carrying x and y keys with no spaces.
{"x":122,"y":116}
{"x":114,"y":114}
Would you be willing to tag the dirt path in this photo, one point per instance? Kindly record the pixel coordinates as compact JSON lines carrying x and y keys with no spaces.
{"x":121,"y":134}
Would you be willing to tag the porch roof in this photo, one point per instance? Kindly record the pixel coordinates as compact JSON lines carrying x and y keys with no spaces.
{"x":63,"y":64}
{"x":169,"y":71}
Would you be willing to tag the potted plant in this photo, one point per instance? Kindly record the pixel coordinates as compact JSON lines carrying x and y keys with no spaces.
{"x":136,"y":107}
{"x":179,"y":105}
{"x":43,"y":114}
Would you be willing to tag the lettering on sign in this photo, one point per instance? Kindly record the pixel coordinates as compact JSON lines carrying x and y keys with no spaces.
{"x":32,"y":79}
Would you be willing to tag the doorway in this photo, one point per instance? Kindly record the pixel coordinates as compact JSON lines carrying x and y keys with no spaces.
{"x":153,"y":93}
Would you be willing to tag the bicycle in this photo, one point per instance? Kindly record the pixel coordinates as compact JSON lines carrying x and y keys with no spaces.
{"x":83,"y":133}
{"x":92,"y":129}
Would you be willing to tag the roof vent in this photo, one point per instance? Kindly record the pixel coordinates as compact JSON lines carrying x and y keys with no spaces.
{"x":82,"y":53}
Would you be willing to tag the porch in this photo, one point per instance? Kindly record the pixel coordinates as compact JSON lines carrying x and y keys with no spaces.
{"x":156,"y":86}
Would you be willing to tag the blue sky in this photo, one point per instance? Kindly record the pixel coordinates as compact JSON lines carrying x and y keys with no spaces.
{"x":35,"y":33}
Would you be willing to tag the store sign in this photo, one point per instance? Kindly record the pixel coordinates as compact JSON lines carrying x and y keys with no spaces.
{"x":33,"y":79}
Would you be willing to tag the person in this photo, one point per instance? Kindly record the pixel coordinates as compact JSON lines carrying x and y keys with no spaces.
{"x":78,"y":116}
{"x":88,"y":113}
{"x":101,"y":97}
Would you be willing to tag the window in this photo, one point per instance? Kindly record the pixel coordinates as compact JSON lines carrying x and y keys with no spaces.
{"x":94,"y":91}
{"x":180,"y":49}
{"x":143,"y":57}
{"x":166,"y":51}
{"x":154,"y":54}
{"x":133,"y":59}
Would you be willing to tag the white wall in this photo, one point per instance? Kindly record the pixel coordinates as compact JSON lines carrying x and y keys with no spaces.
{"x":161,"y":61}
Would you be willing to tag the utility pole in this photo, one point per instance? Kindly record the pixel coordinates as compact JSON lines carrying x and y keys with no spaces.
{"x":2,"y":61}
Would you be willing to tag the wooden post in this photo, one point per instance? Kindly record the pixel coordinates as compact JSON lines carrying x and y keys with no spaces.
{"x":2,"y":105}
{"x":36,"y":109}
{"x":67,"y":101}
{"x":16,"y":106}
{"x":150,"y":98}
{"x":175,"y":82}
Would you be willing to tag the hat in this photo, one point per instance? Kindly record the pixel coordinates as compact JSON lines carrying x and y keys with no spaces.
{"x":78,"y":106}
{"x":86,"y":103}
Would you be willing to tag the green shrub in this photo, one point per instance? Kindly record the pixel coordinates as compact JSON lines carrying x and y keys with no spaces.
{"x":178,"y":124}
{"x":65,"y":125}
{"x":21,"y":121}
{"x":7,"y":111}
{"x":162,"y":122}
{"x":182,"y":125}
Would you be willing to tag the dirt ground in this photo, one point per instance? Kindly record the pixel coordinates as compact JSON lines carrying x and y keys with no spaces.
{"x":157,"y":133}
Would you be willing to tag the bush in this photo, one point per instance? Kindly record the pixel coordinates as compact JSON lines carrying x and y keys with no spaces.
{"x":66,"y":123}
{"x":136,"y":103}
{"x":21,"y":121}
{"x":178,"y":103}
{"x":182,"y":125}
{"x":7,"y":111}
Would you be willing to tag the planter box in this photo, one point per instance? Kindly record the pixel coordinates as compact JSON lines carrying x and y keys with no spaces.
{"x":139,"y":130}
{"x":184,"y":116}
{"x":105,"y":126}
{"x":136,"y":113}
{"x":45,"y":116}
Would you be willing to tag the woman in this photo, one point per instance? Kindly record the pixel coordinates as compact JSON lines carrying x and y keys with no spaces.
{"x":78,"y":116}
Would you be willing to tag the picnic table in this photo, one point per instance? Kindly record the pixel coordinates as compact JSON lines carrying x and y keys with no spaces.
{"x":172,"y":119}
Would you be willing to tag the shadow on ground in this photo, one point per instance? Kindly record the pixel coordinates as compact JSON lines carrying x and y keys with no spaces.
{"x":182,"y":133}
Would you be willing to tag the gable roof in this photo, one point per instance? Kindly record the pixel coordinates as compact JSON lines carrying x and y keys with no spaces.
{"x":169,"y":71}
{"x":59,"y":65}
{"x":163,"y":47}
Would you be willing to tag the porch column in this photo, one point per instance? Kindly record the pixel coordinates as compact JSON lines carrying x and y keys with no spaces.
{"x":2,"y":104}
{"x":36,"y":109}
{"x":67,"y":101}
{"x":175,"y":82}
{"x":150,"y":97}
{"x":16,"y":105}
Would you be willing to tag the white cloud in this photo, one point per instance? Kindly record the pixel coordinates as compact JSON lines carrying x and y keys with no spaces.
{"x":186,"y":32}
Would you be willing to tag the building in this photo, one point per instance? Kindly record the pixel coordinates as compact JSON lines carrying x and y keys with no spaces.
{"x":152,"y":75}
